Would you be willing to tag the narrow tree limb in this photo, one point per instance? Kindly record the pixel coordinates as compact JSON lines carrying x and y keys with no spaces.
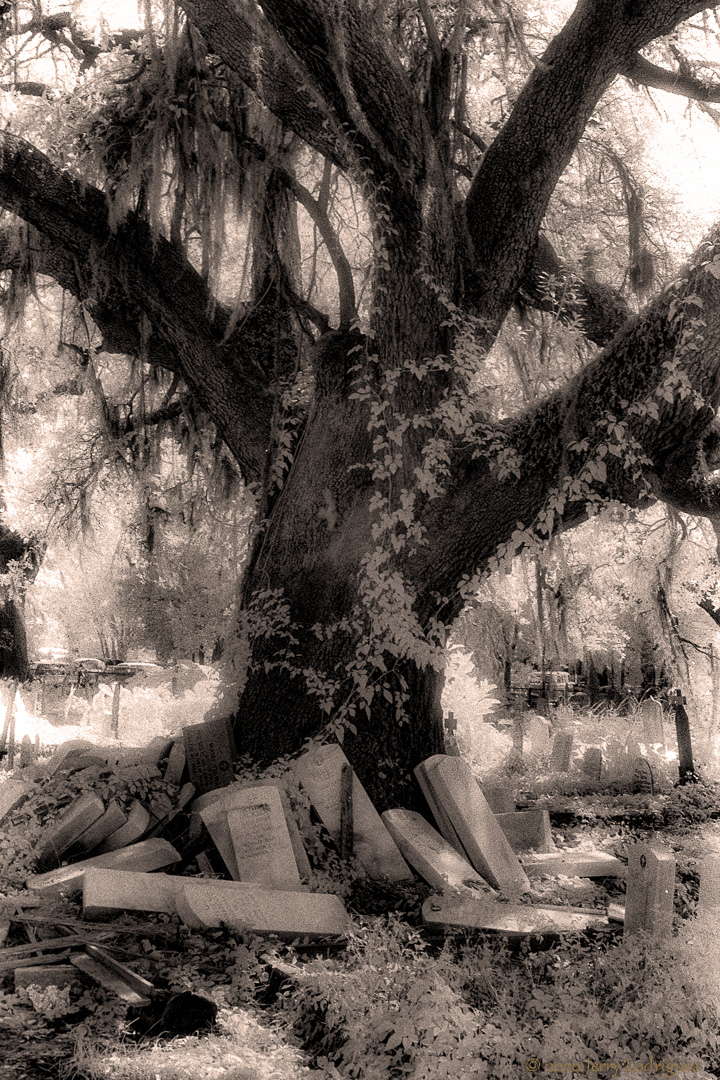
{"x":640,"y":70}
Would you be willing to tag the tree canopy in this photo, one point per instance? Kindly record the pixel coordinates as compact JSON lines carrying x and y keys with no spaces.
{"x":319,"y":215}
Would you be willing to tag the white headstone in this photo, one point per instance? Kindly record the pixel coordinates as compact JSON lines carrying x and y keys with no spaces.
{"x":430,"y":854}
{"x":260,"y":839}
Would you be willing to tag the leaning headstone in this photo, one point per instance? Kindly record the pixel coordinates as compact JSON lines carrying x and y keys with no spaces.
{"x":430,"y":854}
{"x":112,"y":820}
{"x":709,"y":896}
{"x":176,"y":763}
{"x":592,"y":762}
{"x":422,"y":774}
{"x":527,"y":830}
{"x":649,"y":892}
{"x":686,"y":767}
{"x":214,"y":815}
{"x":643,"y":781}
{"x":590,"y":864}
{"x":261,"y":841}
{"x":561,"y":751}
{"x":301,"y":858}
{"x":138,"y":820}
{"x":511,"y":919}
{"x":651,"y":714}
{"x":486,"y":845}
{"x":250,"y":909}
{"x":319,"y":771}
{"x":13,"y":794}
{"x":499,"y":798}
{"x":71,"y":824}
{"x":210,"y":751}
{"x":143,"y":857}
{"x":156,"y":750}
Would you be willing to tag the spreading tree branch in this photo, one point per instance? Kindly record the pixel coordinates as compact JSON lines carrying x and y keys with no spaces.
{"x":144,"y":295}
{"x":640,"y":70}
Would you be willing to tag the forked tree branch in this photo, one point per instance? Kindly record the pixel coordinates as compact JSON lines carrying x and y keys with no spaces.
{"x":640,"y":70}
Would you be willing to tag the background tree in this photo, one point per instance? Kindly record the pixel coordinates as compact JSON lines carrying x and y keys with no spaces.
{"x":382,"y":483}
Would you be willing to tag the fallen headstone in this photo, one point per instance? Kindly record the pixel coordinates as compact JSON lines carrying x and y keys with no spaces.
{"x":210,"y":750}
{"x":176,"y":763}
{"x":108,"y":979}
{"x":250,"y":909}
{"x":499,"y":798}
{"x":71,"y":824}
{"x":527,"y":830}
{"x":13,"y":794}
{"x":592,"y":762}
{"x":486,"y":845}
{"x":649,"y":891}
{"x":512,"y":919}
{"x":156,"y":750}
{"x":130,"y":977}
{"x":319,"y":771}
{"x":66,"y":750}
{"x":260,"y":839}
{"x":422,"y":774}
{"x":108,"y":892}
{"x":561,"y":754}
{"x":146,"y":856}
{"x":138,"y":820}
{"x":112,"y":820}
{"x":430,"y":854}
{"x":301,"y":858}
{"x":184,"y":795}
{"x":590,"y":864}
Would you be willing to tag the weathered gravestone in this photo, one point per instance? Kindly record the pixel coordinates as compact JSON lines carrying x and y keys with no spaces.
{"x":561,"y":751}
{"x":157,"y":749}
{"x":651,"y":714}
{"x":454,"y":788}
{"x":176,"y":763}
{"x":112,"y":820}
{"x":27,"y":752}
{"x":210,"y":750}
{"x":71,"y":824}
{"x":301,"y":858}
{"x":527,"y":830}
{"x":68,"y":880}
{"x":138,"y":820}
{"x":686,"y":766}
{"x":109,"y":979}
{"x":250,"y":909}
{"x":511,"y":919}
{"x":261,"y":840}
{"x":538,"y":735}
{"x":592,"y":762}
{"x":649,"y":891}
{"x":108,"y":892}
{"x":431,"y":855}
{"x":642,"y":779}
{"x":442,"y":820}
{"x":499,"y":798}
{"x":319,"y":771}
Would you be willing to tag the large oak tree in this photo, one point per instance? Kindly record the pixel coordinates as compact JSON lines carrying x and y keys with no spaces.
{"x":399,"y":489}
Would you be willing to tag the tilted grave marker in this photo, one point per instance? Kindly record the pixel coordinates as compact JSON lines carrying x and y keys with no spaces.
{"x":112,"y":820}
{"x":319,"y":771}
{"x":71,"y":824}
{"x":486,"y":845}
{"x":650,"y":891}
{"x":138,"y":820}
{"x":422,"y":773}
{"x":176,"y":763}
{"x":431,"y":855}
{"x":210,"y":750}
{"x":13,"y":794}
{"x":260,"y":839}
